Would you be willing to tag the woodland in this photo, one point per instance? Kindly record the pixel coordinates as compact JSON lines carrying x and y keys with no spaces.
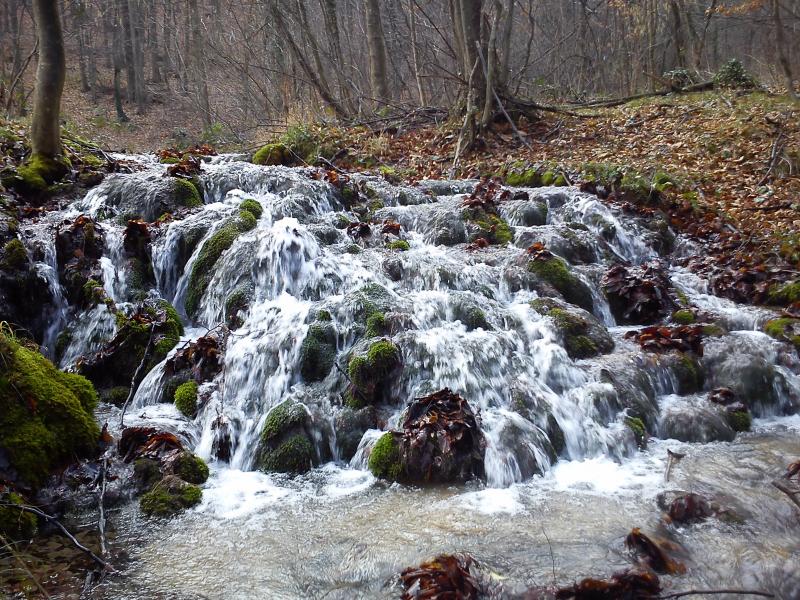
{"x":400,"y":299}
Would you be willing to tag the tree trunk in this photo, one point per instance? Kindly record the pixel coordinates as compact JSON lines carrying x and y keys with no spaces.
{"x":781,"y":48}
{"x":198,"y":65}
{"x":50,"y":73}
{"x":377,"y":52}
{"x":415,"y":51}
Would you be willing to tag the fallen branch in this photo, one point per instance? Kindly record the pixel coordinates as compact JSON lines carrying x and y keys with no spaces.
{"x":23,"y":567}
{"x":791,"y":492}
{"x":697,"y":87}
{"x":672,"y":459}
{"x":139,"y":374}
{"x":101,"y":523}
{"x":775,"y":153}
{"x":64,"y":530}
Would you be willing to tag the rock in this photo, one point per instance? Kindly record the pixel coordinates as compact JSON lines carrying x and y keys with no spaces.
{"x":638,"y":295}
{"x":371,"y":373}
{"x":286,"y":445}
{"x":199,"y":360}
{"x":318,"y":351}
{"x":26,"y":297}
{"x":582,"y":334}
{"x":47,"y":415}
{"x":350,"y":428}
{"x":79,"y":247}
{"x":467,"y":310}
{"x":116,"y":362}
{"x":440,"y":442}
{"x":189,"y":467}
{"x":169,"y":497}
{"x":148,"y":198}
{"x":691,"y":423}
{"x":685,"y":508}
{"x":555,"y":272}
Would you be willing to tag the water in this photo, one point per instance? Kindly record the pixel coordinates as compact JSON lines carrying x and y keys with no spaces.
{"x":337,"y":532}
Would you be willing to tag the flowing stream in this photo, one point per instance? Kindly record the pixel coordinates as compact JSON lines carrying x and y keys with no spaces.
{"x":337,"y":532}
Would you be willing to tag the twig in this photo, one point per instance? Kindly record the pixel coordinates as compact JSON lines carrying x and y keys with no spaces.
{"x":672,"y":458}
{"x":23,"y":566}
{"x":57,"y":523}
{"x":716,"y":593}
{"x":137,"y":376}
{"x":552,"y":556}
{"x":773,"y":157}
{"x":101,"y":524}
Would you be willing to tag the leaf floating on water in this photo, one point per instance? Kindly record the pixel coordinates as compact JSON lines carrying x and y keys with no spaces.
{"x":446,"y":577}
{"x":653,"y":554}
{"x":686,"y":338}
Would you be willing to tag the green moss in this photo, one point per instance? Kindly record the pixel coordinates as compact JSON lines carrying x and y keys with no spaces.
{"x":383,"y":357}
{"x":785,"y":330}
{"x":376,"y":324}
{"x":713,"y":330}
{"x":203,"y":268}
{"x":247,"y":221}
{"x":324,"y":316}
{"x":492,"y":227}
{"x":295,"y":455}
{"x":474,"y":318}
{"x":354,"y":249}
{"x":683,"y":316}
{"x":117,"y":395}
{"x":15,"y":524}
{"x":636,"y":425}
{"x":236,"y":302}
{"x":191,"y":468}
{"x":281,"y":418}
{"x":384,"y":460}
{"x":317,"y":352}
{"x":168,"y":497}
{"x":548,"y":177}
{"x":171,"y":333}
{"x":560,"y":180}
{"x":14,"y":255}
{"x":252,"y":206}
{"x":524,"y":178}
{"x":92,"y":291}
{"x":47,"y":414}
{"x":786,"y":294}
{"x":186,"y":398}
{"x":186,"y":193}
{"x":146,"y":473}
{"x":739,"y":420}
{"x":36,"y":174}
{"x":401,"y":245}
{"x":555,"y":272}
{"x":273,"y":154}
{"x":689,"y":374}
{"x":170,"y":160}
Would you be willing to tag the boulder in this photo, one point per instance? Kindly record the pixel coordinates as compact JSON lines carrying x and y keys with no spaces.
{"x":582,"y":334}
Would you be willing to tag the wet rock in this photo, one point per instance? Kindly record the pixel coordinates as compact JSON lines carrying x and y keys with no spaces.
{"x":691,"y":423}
{"x":222,"y":445}
{"x":136,"y":245}
{"x":286,"y":444}
{"x":79,"y":247}
{"x":350,"y":428}
{"x":556,"y":273}
{"x":527,"y":212}
{"x":582,"y":334}
{"x":530,"y":451}
{"x":440,"y":442}
{"x":685,"y":508}
{"x":318,"y":351}
{"x":467,"y":310}
{"x":372,"y":373}
{"x":632,"y":389}
{"x":26,"y":297}
{"x":687,"y":371}
{"x":638,"y":295}
{"x":116,"y":362}
{"x":199,"y":360}
{"x":169,"y":497}
{"x":147,"y":198}
{"x":743,"y":365}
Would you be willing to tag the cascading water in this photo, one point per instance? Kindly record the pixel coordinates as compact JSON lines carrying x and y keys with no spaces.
{"x":462,"y":319}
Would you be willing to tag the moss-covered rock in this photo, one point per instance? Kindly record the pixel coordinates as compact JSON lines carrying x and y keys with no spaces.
{"x":35,"y":176}
{"x":186,"y":193}
{"x":285,"y":445}
{"x":116,"y":395}
{"x":638,"y":429}
{"x":739,"y":420}
{"x":318,"y":351}
{"x":688,"y":372}
{"x":788,"y":293}
{"x":554,"y":271}
{"x":784,"y":329}
{"x":582,"y":334}
{"x":522,"y":177}
{"x":186,"y":398}
{"x":376,"y":324}
{"x":488,"y":225}
{"x":203,"y":268}
{"x":384,"y":459}
{"x":247,"y":221}
{"x":237,"y":303}
{"x":370,"y":373}
{"x":252,"y":206}
{"x":47,"y":417}
{"x":15,"y":524}
{"x":401,"y":245}
{"x":14,"y":256}
{"x":169,"y":497}
{"x":274,"y":154}
{"x":683,"y":317}
{"x":146,"y":473}
{"x":191,"y":468}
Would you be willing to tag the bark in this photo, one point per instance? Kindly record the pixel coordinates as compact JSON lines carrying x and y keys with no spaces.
{"x":780,"y":46}
{"x":376,"y":45}
{"x":198,"y":64}
{"x":50,"y":74}
{"x":415,"y":52}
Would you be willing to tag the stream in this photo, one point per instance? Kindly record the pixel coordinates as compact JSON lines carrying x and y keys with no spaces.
{"x":565,"y":479}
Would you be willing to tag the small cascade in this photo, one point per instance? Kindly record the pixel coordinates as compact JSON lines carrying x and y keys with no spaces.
{"x":306,"y":280}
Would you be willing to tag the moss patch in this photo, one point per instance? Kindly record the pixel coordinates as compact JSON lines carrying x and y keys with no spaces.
{"x":400,"y":245}
{"x":555,"y":272}
{"x":191,"y":468}
{"x":186,"y":398}
{"x":15,"y":525}
{"x":169,"y":497}
{"x":683,"y":317}
{"x":786,"y":294}
{"x":491,"y":226}
{"x":186,"y":192}
{"x":739,"y":420}
{"x":47,"y":414}
{"x":273,"y":154}
{"x":384,"y":460}
{"x":318,"y":351}
{"x":35,"y":176}
{"x":636,"y":426}
{"x":295,"y":455}
{"x":369,"y":373}
{"x":14,"y":256}
{"x":203,"y":268}
{"x":785,"y":330}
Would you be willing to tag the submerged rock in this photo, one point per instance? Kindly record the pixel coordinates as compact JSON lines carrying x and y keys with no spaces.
{"x":169,"y":497}
{"x":440,"y":442}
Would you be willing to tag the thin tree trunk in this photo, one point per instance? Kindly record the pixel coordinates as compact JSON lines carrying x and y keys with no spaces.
{"x":198,"y":64}
{"x":376,"y":45}
{"x":50,"y":74}
{"x":415,"y":52}
{"x":780,"y":45}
